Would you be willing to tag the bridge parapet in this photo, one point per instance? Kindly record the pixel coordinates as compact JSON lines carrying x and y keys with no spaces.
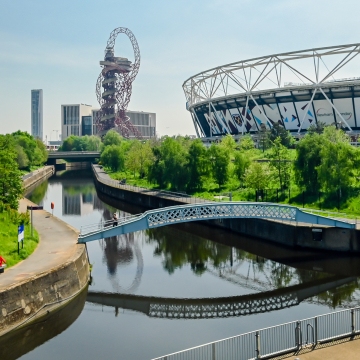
{"x":207,"y":211}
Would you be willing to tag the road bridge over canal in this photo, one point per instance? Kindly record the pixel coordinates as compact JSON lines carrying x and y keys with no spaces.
{"x":73,"y":155}
{"x":205,"y":211}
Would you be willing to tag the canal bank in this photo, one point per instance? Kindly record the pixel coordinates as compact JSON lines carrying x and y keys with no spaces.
{"x":293,"y":234}
{"x":134,"y":263}
{"x":56,"y":272}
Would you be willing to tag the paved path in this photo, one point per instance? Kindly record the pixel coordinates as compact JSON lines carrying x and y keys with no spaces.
{"x":347,"y":350}
{"x":57,"y":246}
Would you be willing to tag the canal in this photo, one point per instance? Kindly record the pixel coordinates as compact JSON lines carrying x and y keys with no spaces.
{"x":179,"y":271}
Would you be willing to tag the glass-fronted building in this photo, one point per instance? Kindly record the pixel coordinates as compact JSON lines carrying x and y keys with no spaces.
{"x":76,"y":120}
{"x":37,"y":113}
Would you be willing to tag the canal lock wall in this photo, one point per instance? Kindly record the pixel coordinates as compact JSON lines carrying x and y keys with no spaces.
{"x":23,"y":302}
{"x":290,"y":234}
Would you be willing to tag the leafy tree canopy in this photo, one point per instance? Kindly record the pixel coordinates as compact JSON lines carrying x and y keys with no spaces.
{"x":11,"y":187}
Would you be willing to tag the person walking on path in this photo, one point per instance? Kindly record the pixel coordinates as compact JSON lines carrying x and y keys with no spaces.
{"x":115,"y":220}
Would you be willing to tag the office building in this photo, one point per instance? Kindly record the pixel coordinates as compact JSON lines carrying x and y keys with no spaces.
{"x":76,"y":119}
{"x":37,"y":113}
{"x":143,"y":122}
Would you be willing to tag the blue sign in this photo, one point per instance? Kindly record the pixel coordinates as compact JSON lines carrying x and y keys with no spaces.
{"x":21,"y":232}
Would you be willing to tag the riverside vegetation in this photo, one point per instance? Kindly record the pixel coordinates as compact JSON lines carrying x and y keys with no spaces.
{"x":321,"y":170}
{"x":19,"y":153}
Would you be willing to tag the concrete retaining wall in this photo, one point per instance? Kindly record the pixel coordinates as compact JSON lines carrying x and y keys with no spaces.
{"x":25,"y":302}
{"x":289,"y":234}
{"x":38,"y":176}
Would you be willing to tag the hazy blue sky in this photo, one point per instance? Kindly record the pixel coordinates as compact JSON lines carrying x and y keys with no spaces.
{"x":57,"y":45}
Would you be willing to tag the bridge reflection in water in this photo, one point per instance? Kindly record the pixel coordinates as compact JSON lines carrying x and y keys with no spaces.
{"x":221,"y":307}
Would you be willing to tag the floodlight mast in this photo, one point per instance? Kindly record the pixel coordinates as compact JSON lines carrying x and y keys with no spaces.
{"x":116,"y":79}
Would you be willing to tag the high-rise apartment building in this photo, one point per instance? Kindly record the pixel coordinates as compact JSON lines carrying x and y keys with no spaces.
{"x":37,"y":113}
{"x":76,"y":119}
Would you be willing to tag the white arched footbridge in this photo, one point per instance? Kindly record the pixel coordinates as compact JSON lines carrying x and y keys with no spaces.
{"x":205,"y":211}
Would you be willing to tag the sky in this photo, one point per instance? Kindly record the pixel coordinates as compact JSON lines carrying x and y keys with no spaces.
{"x":57,"y":45}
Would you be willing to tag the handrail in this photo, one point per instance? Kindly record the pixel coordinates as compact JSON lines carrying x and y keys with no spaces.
{"x":275,"y":340}
{"x":189,"y":199}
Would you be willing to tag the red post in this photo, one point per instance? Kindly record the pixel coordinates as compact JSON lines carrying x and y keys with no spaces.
{"x":2,"y":261}
{"x":52,"y":208}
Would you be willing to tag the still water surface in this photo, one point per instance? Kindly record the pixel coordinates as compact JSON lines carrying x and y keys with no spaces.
{"x":184,"y":262}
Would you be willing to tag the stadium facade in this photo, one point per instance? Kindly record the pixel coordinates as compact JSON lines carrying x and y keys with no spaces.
{"x":294,"y":89}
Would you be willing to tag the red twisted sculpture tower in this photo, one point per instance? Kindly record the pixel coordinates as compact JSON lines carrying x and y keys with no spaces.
{"x":116,"y":79}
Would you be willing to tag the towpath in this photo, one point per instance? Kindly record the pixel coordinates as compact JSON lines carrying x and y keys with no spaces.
{"x":57,"y":245}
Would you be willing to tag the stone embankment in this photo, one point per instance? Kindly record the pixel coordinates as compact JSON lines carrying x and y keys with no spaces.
{"x":37,"y":176}
{"x":285,"y":233}
{"x":54,"y":274}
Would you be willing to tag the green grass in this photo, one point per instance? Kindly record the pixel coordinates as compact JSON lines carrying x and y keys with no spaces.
{"x":9,"y":240}
{"x":349,"y":204}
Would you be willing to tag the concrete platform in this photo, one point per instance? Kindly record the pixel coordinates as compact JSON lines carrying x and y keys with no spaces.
{"x":344,"y":350}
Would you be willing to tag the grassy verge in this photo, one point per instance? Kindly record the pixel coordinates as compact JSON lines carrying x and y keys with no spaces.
{"x":9,"y":221}
{"x":31,"y":169}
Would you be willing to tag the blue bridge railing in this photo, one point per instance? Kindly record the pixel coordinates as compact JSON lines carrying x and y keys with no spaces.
{"x":206,"y":211}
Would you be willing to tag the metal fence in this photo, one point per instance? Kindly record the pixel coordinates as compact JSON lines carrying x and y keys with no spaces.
{"x":180,"y":196}
{"x":188,"y":199}
{"x":277,"y":340}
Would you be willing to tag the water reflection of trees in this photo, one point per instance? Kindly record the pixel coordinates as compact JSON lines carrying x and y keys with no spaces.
{"x":38,"y":193}
{"x":179,"y":249}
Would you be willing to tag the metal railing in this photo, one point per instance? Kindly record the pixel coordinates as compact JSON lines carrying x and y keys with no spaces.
{"x":182,"y":197}
{"x":90,"y":228}
{"x":188,"y":199}
{"x":277,"y":340}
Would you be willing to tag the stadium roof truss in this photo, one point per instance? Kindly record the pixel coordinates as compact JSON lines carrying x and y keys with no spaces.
{"x":307,"y":68}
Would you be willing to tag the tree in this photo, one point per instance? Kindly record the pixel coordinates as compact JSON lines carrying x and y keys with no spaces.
{"x":280,"y":161}
{"x":139,"y":157}
{"x":27,"y":142}
{"x":94,"y":143}
{"x":198,"y":165}
{"x":219,"y":160}
{"x":11,"y":186}
{"x":247,"y":143}
{"x":263,"y":136}
{"x":170,"y":165}
{"x":228,"y":143}
{"x":336,"y":170}
{"x":22,"y":159}
{"x":257,"y":176}
{"x":317,"y":128}
{"x":278,"y":131}
{"x":68,"y":144}
{"x":307,"y":160}
{"x":157,"y":168}
{"x":175,"y":163}
{"x":241,"y":163}
{"x":113,"y":157}
{"x":112,"y":138}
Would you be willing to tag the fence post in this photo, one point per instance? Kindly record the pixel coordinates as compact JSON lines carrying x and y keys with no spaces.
{"x":213,"y":351}
{"x":352,"y":321}
{"x":297,"y":335}
{"x":316,"y":331}
{"x":257,"y":350}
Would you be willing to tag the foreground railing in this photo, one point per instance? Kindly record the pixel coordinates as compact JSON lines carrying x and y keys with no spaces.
{"x":277,"y":340}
